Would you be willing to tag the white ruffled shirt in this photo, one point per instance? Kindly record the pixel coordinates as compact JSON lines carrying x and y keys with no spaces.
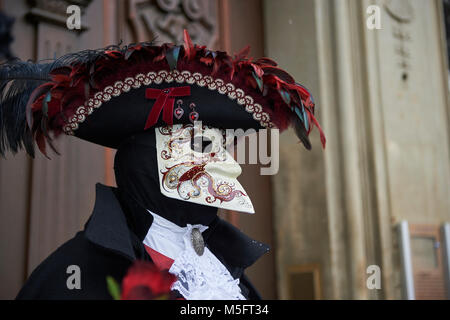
{"x":199,"y":277}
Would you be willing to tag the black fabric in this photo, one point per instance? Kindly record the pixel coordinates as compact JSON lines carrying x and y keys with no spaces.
{"x":122,"y":116}
{"x":48,"y":280}
{"x":136,"y":170}
{"x":231,"y":245}
{"x":137,"y":217}
{"x":109,"y":244}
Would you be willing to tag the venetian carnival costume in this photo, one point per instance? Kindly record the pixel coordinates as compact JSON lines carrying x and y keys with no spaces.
{"x":145,"y":100}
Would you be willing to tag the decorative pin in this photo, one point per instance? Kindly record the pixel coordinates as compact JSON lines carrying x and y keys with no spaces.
{"x":197,"y":241}
{"x":193,"y":116}
{"x":178,"y":112}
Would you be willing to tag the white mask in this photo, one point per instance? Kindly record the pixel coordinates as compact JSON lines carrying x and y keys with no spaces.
{"x":208,"y":177}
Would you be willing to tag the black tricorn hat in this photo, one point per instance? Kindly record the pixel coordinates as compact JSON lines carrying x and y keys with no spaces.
{"x":106,"y":95}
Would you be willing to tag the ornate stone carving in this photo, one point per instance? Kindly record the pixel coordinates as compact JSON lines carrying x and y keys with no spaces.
{"x":166,"y":19}
{"x":54,"y":11}
{"x":400,"y":10}
{"x":402,"y":14}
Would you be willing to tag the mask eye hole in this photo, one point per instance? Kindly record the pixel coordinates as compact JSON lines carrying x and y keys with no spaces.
{"x":201,"y":144}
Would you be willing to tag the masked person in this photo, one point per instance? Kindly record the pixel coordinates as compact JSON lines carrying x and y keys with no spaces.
{"x":172,"y":173}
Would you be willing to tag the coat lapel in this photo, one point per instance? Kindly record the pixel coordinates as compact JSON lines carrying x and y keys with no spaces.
{"x":107,"y":227}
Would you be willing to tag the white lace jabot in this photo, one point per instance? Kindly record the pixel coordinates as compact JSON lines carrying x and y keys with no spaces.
{"x":199,"y":277}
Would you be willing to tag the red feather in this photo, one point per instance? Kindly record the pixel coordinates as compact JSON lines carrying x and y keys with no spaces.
{"x":322,"y":135}
{"x":280,"y":73}
{"x":258,"y":70}
{"x":188,"y":46}
{"x":40,"y":141}
{"x":207,"y":60}
{"x":38,"y":92}
{"x":242,"y":54}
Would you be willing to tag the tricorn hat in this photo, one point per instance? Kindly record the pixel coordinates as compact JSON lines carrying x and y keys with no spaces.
{"x":106,"y":95}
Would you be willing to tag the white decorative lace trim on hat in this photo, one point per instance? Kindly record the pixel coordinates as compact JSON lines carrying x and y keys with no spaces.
{"x":199,"y":277}
{"x":119,"y":87}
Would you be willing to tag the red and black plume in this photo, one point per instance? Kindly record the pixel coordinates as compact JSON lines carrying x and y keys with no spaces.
{"x":108,"y":94}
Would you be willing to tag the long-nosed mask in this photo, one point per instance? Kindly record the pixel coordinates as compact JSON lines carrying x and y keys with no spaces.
{"x":194,"y":165}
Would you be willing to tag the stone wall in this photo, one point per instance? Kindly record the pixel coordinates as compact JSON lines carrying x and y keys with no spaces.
{"x":382,"y":101}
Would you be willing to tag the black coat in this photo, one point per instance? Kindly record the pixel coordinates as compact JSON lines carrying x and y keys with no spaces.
{"x":112,"y":240}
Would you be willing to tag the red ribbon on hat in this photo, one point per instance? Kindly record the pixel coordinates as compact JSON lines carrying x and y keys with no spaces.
{"x":165,"y":99}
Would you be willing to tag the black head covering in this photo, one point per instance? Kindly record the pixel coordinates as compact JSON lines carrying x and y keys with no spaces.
{"x":137,"y":178}
{"x":126,"y":115}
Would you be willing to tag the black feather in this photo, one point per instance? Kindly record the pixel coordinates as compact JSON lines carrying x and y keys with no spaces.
{"x":90,"y":56}
{"x":18,"y":79}
{"x":301,"y":132}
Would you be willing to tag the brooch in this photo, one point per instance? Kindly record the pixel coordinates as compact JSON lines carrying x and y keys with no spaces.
{"x":197,"y":241}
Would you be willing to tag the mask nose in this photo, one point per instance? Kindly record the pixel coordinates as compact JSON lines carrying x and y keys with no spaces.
{"x":229,"y":169}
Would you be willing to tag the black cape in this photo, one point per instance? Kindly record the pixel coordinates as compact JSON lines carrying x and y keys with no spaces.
{"x":112,"y":240}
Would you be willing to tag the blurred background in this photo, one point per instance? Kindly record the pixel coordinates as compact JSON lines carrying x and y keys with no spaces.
{"x":364,"y":219}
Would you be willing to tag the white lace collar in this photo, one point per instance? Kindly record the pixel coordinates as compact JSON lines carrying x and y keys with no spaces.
{"x":199,"y":277}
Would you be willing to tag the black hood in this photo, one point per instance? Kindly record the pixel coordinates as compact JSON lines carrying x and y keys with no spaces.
{"x":137,"y":178}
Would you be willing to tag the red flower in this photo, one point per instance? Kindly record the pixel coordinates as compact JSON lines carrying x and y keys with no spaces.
{"x":144,"y":281}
